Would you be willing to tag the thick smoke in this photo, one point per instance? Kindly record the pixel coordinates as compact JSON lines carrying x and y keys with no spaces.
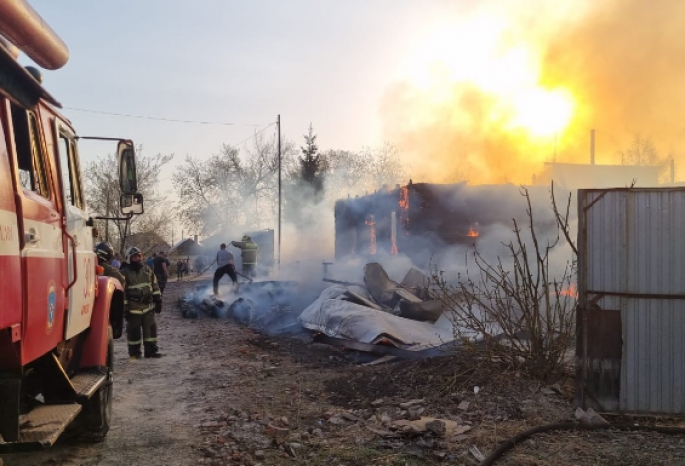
{"x":619,"y":60}
{"x":442,"y":227}
{"x":622,"y":63}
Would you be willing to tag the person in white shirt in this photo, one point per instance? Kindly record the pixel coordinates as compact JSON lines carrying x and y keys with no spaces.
{"x":225,"y":264}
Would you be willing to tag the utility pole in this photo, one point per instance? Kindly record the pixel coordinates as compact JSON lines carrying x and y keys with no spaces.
{"x":592,"y":147}
{"x":278,"y":125}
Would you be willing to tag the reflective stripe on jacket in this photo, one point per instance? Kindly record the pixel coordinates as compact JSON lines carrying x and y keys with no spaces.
{"x":140,"y":289}
{"x":250,"y":249}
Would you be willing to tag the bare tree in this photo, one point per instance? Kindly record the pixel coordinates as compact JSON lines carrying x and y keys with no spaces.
{"x":641,"y":152}
{"x":231,"y":189}
{"x":153,"y":227}
{"x":357,"y":173}
{"x":345,"y":173}
{"x":102,"y":192}
{"x":384,"y":167}
{"x":518,"y":310}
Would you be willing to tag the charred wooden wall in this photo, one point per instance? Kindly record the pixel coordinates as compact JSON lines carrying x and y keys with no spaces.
{"x":431,"y":215}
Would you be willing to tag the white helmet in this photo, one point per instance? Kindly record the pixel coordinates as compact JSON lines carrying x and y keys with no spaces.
{"x":132,"y":251}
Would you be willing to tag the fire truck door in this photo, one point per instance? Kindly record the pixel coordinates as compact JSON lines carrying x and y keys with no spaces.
{"x":42,"y":255}
{"x":81,"y":294}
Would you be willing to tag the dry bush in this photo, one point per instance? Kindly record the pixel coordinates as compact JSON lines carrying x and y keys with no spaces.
{"x":517,"y":310}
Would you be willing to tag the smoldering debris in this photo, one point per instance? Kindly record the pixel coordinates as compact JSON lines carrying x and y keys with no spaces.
{"x":379,"y":316}
{"x":380,"y":312}
{"x":268,"y":306}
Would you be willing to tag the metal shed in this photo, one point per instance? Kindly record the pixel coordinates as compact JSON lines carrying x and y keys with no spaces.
{"x":630,"y":353}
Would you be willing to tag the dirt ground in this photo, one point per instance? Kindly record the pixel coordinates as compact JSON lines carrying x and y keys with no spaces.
{"x":226,"y":395}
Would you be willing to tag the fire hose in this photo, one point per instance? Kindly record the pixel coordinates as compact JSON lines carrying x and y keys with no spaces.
{"x":572,"y":426}
{"x":208,"y":267}
{"x":238,"y":273}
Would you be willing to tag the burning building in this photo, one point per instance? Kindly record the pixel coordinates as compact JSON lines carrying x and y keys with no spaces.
{"x":423,"y":217}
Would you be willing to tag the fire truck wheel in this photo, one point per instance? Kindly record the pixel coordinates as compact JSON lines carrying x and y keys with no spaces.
{"x":99,"y":407}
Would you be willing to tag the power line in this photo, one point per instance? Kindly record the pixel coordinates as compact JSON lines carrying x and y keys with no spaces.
{"x":237,"y":145}
{"x":254,"y":135}
{"x":146,"y":117}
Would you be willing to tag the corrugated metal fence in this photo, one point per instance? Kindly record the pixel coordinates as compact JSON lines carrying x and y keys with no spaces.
{"x":631,"y":283}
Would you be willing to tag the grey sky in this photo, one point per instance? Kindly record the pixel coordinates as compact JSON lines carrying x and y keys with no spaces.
{"x":328,"y":62}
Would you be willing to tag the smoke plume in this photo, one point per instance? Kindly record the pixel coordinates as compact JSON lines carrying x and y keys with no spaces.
{"x":484,"y":109}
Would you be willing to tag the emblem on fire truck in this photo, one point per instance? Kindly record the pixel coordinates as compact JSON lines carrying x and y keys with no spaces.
{"x":52,"y":306}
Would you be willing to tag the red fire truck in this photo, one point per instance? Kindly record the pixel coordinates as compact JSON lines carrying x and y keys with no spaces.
{"x":58,"y":315}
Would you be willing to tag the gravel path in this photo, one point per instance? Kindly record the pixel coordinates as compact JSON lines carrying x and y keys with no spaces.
{"x":152,"y":423}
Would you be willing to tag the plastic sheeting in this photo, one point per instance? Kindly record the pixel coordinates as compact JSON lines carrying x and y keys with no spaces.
{"x":332,"y":315}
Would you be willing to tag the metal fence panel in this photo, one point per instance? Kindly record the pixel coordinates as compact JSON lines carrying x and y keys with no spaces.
{"x":632,"y":258}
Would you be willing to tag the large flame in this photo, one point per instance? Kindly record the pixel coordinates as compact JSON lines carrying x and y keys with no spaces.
{"x":491,"y":93}
{"x":404,"y":209}
{"x":371,"y":223}
{"x":478,"y":53}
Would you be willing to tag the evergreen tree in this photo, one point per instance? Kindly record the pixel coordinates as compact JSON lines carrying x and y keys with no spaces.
{"x":311,"y":166}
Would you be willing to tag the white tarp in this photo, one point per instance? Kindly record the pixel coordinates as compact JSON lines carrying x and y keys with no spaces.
{"x":335,"y":317}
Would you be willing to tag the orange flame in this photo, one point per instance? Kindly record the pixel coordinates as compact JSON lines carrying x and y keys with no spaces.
{"x":404,"y":198}
{"x":404,"y":209}
{"x":472,"y":233}
{"x":371,"y":222}
{"x":571,"y":291}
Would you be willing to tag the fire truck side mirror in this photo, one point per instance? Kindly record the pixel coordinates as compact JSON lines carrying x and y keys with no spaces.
{"x":128,"y":182}
{"x":131,"y":204}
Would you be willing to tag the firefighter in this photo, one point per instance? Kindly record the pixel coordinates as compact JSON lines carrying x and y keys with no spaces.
{"x":142,"y":301}
{"x":250,"y":250}
{"x":105,"y":255}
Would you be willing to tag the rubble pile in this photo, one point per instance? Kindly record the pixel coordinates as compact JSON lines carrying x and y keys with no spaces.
{"x":379,"y":312}
{"x":264,"y":305}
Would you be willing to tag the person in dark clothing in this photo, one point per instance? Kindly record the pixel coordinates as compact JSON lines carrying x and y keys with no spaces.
{"x":105,"y":256}
{"x":142,"y":300}
{"x":181,"y":269}
{"x":225,"y":266}
{"x":199,"y":264}
{"x":161,"y":266}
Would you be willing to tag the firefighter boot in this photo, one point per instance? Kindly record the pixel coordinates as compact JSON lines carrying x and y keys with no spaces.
{"x":134,"y":352}
{"x":151,"y":351}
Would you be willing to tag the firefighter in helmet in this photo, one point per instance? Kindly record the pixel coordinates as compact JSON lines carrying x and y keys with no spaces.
{"x":249,"y":253}
{"x":142,"y":301}
{"x":105,"y":254}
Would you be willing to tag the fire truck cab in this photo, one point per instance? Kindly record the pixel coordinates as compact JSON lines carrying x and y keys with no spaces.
{"x":58,"y":316}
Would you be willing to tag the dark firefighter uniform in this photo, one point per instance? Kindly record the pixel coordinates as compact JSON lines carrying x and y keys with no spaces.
{"x":105,"y":254}
{"x":249,"y":252}
{"x":114,"y":273}
{"x":116,"y":317}
{"x":142,"y":299}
